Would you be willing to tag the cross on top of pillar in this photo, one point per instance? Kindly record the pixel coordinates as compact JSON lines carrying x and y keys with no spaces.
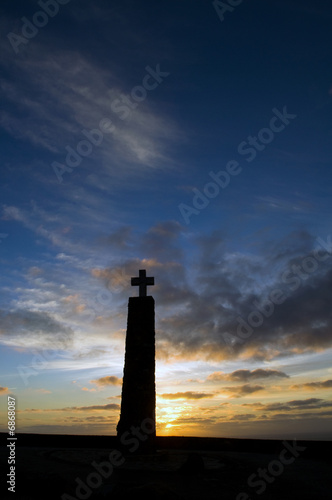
{"x":143,"y":281}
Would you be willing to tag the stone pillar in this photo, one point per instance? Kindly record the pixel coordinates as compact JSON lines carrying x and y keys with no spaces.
{"x":138,"y":402}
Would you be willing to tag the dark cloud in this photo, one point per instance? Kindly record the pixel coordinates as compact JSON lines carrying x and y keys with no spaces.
{"x":185,"y":421}
{"x":161,"y":242}
{"x":119,"y":239}
{"x":242,"y":390}
{"x":301,"y":415}
{"x":296,"y":244}
{"x":97,"y":418}
{"x":36,"y":326}
{"x":303,"y":404}
{"x":243,"y":416}
{"x":291,"y":409}
{"x":226,"y":286}
{"x":246,"y":375}
{"x":109,"y":406}
{"x":326,"y":384}
{"x":253,"y":405}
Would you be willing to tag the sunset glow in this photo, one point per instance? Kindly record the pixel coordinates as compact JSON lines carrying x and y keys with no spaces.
{"x":152,"y":136}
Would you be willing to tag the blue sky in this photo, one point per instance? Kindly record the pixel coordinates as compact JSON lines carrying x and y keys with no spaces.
{"x":194,"y":144}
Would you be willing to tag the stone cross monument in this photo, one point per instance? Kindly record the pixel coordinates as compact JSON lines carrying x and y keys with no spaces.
{"x":138,"y":401}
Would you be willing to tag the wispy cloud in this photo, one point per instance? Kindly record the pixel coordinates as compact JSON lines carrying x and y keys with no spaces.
{"x":75,"y":94}
{"x":186,"y":395}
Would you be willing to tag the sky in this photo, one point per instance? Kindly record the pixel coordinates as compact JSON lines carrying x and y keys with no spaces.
{"x":191,"y":139}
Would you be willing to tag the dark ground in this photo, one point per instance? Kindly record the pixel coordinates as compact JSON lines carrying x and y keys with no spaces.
{"x":50,"y":466}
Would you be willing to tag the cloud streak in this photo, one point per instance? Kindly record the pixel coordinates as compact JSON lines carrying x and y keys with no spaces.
{"x":186,"y":395}
{"x":108,"y":407}
{"x":324,"y":384}
{"x":290,"y":406}
{"x":246,"y":375}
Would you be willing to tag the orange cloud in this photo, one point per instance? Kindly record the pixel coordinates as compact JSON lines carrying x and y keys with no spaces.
{"x":71,"y":298}
{"x":3,"y":390}
{"x":110,"y":380}
{"x":114,"y":278}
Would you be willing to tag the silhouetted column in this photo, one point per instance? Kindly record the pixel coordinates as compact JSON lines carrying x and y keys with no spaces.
{"x":138,"y":401}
